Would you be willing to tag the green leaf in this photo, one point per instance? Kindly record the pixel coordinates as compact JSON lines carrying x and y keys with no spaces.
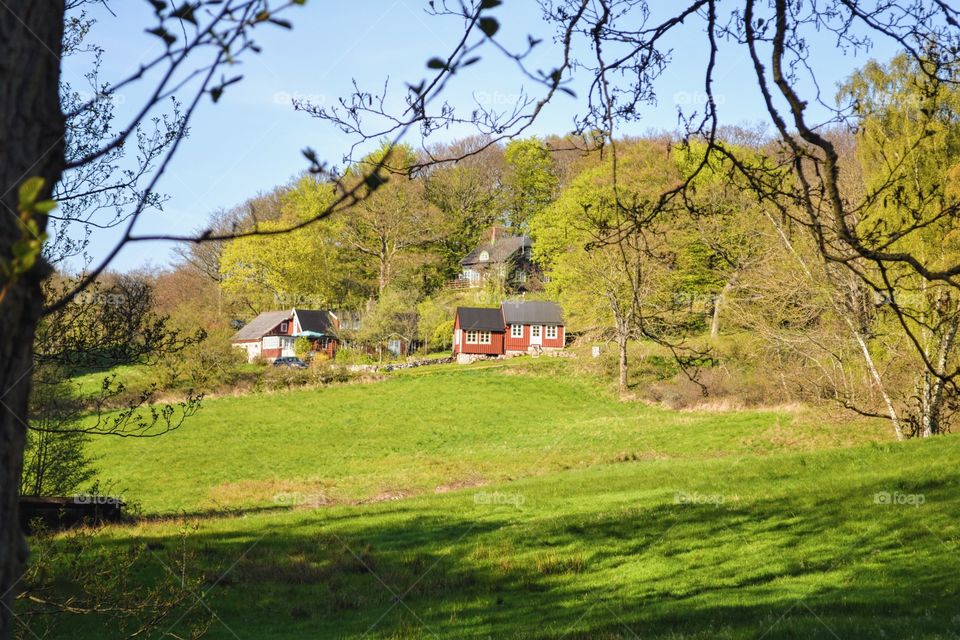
{"x":489,"y":26}
{"x":44,"y":206}
{"x":436,"y":63}
{"x":490,"y":4}
{"x":286,"y":24}
{"x":29,"y":191}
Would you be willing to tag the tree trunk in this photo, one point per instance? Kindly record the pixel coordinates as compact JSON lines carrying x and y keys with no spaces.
{"x":622,"y":361}
{"x":877,"y":379}
{"x":717,"y":303}
{"x":31,"y":141}
{"x":934,"y":396}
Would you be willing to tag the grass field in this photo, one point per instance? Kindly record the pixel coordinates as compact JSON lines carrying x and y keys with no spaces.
{"x":425,"y":429}
{"x":524,"y":502}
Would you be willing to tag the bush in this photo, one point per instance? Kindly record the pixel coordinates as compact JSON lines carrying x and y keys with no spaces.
{"x":350,"y":355}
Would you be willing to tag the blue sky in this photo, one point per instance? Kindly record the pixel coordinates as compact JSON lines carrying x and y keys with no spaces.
{"x":252,"y":139}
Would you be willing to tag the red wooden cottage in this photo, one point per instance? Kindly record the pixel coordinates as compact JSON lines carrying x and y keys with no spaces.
{"x":271,"y":334}
{"x":516,"y":327}
{"x":478,"y":331}
{"x":532,"y":326}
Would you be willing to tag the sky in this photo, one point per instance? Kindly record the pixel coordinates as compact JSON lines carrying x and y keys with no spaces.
{"x":251,"y":140}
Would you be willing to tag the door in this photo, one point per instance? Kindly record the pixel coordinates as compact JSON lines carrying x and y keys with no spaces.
{"x":536,"y":334}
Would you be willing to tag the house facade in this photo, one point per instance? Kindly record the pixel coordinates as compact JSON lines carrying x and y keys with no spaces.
{"x":271,"y":334}
{"x":516,"y":327}
{"x":532,"y":326}
{"x":478,"y":331}
{"x":504,"y":257}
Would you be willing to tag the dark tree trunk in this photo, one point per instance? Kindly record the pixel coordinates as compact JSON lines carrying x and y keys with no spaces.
{"x":31,"y":144}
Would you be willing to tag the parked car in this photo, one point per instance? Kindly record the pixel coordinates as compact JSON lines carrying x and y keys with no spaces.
{"x":291,"y":362}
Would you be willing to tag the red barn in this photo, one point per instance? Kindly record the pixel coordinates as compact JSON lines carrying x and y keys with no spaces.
{"x":532,"y":326}
{"x":478,"y":331}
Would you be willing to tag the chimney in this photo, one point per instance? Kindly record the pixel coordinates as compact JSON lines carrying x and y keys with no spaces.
{"x":493,"y":235}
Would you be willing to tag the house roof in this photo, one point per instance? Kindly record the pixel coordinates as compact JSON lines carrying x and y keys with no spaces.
{"x":476,"y":318}
{"x":318,"y":322}
{"x":532,"y":312}
{"x":261,"y":325}
{"x":500,"y":251}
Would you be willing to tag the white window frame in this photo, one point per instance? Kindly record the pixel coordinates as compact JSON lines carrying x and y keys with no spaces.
{"x":484,"y":256}
{"x":475,"y":336}
{"x":283,"y":326}
{"x":535,"y":331}
{"x":516,"y":331}
{"x":550,"y":333}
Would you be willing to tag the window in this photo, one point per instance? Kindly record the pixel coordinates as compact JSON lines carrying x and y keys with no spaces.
{"x":484,"y":256}
{"x":283,"y":327}
{"x":516,"y":331}
{"x":551,"y":332}
{"x":478,"y":337}
{"x":534,"y":331}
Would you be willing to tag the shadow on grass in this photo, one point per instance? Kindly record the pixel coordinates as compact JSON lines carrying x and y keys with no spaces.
{"x":805,"y":565}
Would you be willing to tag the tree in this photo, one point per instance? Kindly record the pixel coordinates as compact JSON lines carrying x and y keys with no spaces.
{"x":467,"y":194}
{"x":390,"y":227}
{"x":42,"y":161}
{"x":391,"y":317}
{"x":613,"y":279}
{"x":908,"y":142}
{"x":530,"y":181}
{"x":306,"y":267}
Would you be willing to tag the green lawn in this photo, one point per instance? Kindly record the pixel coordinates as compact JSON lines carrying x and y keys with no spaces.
{"x":601,"y":519}
{"x":424,"y":429}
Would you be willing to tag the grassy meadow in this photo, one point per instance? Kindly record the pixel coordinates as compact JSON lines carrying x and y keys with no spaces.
{"x":522,"y":501}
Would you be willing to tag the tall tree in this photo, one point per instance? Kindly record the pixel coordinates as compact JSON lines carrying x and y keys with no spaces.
{"x":530,"y":181}
{"x":306,"y":267}
{"x":908,"y":142}
{"x":391,"y":226}
{"x":614,"y":279}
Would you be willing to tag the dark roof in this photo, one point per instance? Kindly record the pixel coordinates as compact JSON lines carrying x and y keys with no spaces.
{"x":532,"y":312}
{"x":315,"y":321}
{"x":480,"y":319}
{"x":261,"y":325}
{"x":500,"y":251}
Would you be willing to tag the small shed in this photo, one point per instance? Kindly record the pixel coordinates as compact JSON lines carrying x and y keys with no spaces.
{"x":478,"y":330}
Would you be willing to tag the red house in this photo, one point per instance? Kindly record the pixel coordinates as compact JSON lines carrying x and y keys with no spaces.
{"x":478,"y":331}
{"x":532,"y":326}
{"x":516,"y":327}
{"x":272,"y":333}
